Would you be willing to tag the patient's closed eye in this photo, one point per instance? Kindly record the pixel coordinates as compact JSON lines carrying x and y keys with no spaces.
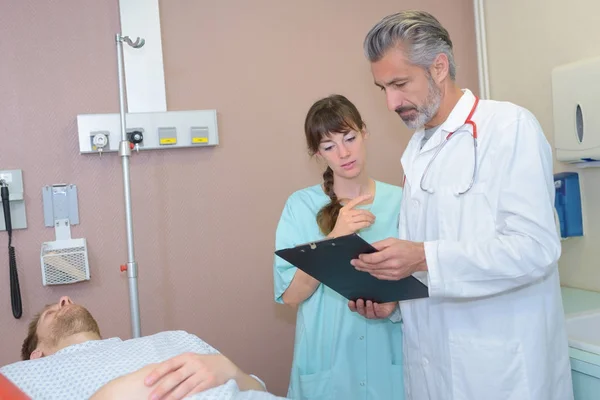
{"x":47,"y":313}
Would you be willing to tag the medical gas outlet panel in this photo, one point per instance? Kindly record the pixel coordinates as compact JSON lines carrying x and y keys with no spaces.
{"x":101,"y":133}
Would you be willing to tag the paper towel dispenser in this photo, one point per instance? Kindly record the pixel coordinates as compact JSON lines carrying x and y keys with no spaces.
{"x":576,"y":106}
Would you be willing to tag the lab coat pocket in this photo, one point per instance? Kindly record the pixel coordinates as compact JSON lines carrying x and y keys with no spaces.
{"x":316,"y":386}
{"x":486,"y":369}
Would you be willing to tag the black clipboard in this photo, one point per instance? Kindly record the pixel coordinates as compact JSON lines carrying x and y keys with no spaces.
{"x":328,"y":261}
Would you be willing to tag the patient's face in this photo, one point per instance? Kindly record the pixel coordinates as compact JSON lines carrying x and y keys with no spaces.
{"x":64,"y":319}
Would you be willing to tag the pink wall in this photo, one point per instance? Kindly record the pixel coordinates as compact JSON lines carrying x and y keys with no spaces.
{"x":204,"y":219}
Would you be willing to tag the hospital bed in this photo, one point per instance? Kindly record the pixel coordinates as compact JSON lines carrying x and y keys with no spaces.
{"x":78,"y":371}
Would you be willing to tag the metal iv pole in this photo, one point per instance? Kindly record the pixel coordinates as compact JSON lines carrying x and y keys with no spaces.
{"x":125,"y":153}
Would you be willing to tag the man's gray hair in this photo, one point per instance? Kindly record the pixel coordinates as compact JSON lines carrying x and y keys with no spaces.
{"x":420,"y":31}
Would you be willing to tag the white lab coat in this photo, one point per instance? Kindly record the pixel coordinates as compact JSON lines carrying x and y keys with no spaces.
{"x":493,"y":326}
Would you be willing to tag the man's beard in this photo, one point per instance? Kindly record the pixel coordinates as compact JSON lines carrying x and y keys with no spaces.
{"x":75,"y":319}
{"x":425,"y":112}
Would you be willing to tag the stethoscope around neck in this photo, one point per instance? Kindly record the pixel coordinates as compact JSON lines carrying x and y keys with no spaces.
{"x":468,"y":121}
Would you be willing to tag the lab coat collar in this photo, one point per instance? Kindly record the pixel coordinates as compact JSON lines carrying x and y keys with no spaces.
{"x":455,"y":120}
{"x":460,"y":112}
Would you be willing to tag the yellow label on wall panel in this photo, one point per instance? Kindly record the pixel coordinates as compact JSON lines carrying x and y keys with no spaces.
{"x":168,"y":140}
{"x":199,"y":140}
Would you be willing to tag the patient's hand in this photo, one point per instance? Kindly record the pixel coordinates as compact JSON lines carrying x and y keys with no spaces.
{"x":192,"y":373}
{"x":371,"y":310}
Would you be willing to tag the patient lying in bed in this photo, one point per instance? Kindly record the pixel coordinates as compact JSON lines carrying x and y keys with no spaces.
{"x":66,"y":358}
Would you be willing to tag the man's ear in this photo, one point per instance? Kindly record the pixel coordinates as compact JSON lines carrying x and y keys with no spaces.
{"x":440,"y":68}
{"x":37,"y":353}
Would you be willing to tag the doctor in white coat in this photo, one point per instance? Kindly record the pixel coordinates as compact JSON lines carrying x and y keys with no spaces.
{"x":476,"y":226}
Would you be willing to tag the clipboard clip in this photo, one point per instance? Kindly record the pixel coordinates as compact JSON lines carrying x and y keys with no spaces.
{"x":313,"y":245}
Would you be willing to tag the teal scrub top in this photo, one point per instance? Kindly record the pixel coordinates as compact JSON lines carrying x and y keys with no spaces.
{"x":339,"y":354}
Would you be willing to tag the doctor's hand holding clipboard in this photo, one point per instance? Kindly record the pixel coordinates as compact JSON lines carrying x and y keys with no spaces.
{"x":367,"y":308}
{"x":395,"y":259}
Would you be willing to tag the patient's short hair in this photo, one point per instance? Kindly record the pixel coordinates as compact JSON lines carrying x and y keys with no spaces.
{"x":31,"y":341}
{"x":74,"y":322}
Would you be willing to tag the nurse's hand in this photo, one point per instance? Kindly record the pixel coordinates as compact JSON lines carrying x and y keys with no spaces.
{"x":394,"y":260}
{"x":350,"y":220}
{"x":371,"y":310}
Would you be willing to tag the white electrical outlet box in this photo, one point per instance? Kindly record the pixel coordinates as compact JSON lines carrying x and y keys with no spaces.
{"x":101,"y":133}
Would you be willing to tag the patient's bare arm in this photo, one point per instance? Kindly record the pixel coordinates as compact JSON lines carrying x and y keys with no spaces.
{"x":192,"y":373}
{"x":177,"y":378}
{"x":130,"y":386}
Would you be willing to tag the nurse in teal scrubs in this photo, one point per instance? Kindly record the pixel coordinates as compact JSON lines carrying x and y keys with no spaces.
{"x":337,"y":353}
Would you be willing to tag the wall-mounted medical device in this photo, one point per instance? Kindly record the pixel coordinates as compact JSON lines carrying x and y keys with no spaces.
{"x":14,"y":182}
{"x":576,"y":98}
{"x":101,"y":133}
{"x":13,"y":210}
{"x":64,"y":260}
{"x":567,"y":202}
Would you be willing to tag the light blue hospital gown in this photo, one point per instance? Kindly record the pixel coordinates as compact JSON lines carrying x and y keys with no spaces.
{"x":78,"y":371}
{"x":339,"y":354}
